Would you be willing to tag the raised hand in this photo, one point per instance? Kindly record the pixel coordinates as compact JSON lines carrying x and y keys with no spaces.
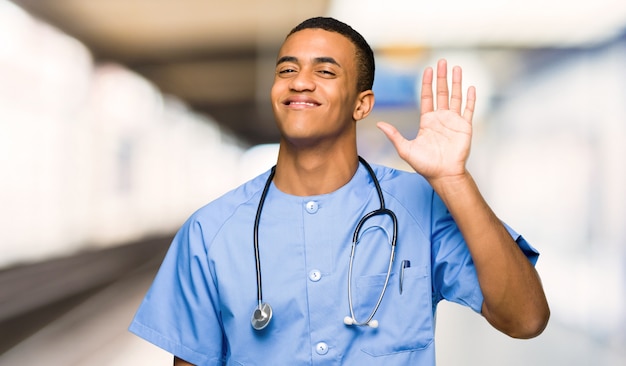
{"x":515,"y":304}
{"x":443,"y":141}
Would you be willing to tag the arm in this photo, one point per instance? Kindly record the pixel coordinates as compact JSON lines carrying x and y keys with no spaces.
{"x":514,"y":301}
{"x":179,"y":362}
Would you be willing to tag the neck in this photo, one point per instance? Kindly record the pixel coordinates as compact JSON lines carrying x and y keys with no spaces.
{"x":309,"y":173}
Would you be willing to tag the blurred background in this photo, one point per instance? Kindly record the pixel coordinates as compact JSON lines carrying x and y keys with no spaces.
{"x":120,"y":118}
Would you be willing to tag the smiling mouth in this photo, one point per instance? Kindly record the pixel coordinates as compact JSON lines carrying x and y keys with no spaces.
{"x":303,"y":104}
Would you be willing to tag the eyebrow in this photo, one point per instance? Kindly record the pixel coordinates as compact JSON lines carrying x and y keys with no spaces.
{"x":316,"y":60}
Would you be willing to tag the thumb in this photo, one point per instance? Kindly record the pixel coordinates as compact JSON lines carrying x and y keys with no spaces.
{"x":392,"y":134}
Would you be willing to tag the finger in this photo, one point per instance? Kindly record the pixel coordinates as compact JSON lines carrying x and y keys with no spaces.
{"x":393,"y":135}
{"x":427,"y":91}
{"x":468,"y":113}
{"x":456,"y":98}
{"x":442,"y":84}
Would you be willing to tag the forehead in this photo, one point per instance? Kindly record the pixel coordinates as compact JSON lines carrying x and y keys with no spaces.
{"x":313,"y":43}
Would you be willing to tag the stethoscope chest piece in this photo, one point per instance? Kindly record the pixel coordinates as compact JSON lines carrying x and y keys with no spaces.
{"x":261,"y":316}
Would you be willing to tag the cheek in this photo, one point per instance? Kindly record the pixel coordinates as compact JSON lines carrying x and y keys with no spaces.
{"x":348,"y":104}
{"x":277,"y":87}
{"x":273,"y":92}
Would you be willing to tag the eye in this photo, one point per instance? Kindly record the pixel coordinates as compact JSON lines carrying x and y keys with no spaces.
{"x":326,"y":73}
{"x":286,"y":71}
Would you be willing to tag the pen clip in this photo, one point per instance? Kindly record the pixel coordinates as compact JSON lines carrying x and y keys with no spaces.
{"x":405,"y":264}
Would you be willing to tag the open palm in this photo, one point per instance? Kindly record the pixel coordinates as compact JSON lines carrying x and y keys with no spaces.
{"x":443,"y":141}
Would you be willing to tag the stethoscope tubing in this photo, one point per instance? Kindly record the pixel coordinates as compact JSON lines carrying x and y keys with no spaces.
{"x":257,"y":219}
{"x":381,"y":211}
{"x":382,"y":293}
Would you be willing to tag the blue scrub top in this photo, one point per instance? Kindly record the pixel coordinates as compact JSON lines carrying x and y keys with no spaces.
{"x":200,"y":304}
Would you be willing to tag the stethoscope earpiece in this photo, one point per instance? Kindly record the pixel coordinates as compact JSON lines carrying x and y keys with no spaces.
{"x":348,"y":320}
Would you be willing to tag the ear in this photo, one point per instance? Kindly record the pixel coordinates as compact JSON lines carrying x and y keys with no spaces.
{"x":364,"y":105}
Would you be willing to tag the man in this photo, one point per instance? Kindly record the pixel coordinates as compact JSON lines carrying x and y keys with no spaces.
{"x":343,"y":290}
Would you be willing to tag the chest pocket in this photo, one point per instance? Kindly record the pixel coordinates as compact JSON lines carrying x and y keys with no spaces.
{"x":406,"y":321}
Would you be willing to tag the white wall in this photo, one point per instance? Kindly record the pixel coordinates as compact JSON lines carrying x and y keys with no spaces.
{"x":92,"y":154}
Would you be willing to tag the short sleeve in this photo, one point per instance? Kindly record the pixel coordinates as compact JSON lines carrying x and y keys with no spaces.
{"x":454,"y":273}
{"x":180,"y":312}
{"x":531,"y":253}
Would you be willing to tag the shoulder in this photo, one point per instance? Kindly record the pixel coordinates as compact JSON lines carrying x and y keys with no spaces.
{"x":407,"y":193}
{"x":401,"y":184}
{"x":238,"y":202}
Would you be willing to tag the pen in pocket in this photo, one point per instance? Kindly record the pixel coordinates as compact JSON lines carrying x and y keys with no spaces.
{"x":405,"y":264}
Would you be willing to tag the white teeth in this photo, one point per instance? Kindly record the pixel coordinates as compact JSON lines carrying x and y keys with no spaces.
{"x":302,"y":103}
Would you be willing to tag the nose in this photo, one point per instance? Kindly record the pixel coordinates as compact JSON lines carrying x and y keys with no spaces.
{"x":302,"y":81}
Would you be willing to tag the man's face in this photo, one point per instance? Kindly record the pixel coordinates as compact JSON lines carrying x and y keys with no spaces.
{"x":315,"y":87}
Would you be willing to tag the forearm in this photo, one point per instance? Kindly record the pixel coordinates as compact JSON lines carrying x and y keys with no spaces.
{"x":514,"y":301}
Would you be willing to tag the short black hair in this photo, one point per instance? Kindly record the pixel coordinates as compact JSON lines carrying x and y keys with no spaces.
{"x":364,"y":53}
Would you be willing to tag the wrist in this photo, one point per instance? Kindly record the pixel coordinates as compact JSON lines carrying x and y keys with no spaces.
{"x":453,"y":185}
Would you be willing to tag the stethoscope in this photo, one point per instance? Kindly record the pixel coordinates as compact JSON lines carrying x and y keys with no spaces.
{"x":263,"y":312}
